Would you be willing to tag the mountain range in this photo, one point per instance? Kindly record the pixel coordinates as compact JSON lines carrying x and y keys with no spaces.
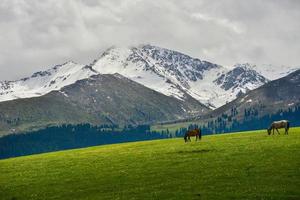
{"x":132,"y":85}
{"x":275,"y":96}
{"x":168,"y":72}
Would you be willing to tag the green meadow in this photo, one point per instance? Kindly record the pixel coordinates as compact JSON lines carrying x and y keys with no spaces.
{"x":248,"y":165}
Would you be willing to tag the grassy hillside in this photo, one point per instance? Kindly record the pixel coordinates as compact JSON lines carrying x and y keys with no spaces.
{"x":233,"y":166}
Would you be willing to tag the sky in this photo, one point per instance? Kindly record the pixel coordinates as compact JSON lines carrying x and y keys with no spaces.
{"x":36,"y":35}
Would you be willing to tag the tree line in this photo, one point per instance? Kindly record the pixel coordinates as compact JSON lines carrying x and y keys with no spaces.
{"x":83,"y":135}
{"x":72,"y":136}
{"x":226,"y":123}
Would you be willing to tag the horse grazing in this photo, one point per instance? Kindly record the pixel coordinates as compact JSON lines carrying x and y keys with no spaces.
{"x":279,"y":124}
{"x":196,"y":132}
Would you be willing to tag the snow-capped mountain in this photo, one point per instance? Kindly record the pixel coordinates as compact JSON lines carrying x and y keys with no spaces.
{"x":174,"y":73}
{"x":41,"y":83}
{"x":168,"y":72}
{"x":165,"y":71}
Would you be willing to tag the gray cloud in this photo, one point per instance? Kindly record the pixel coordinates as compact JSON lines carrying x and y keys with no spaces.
{"x":35,"y":35}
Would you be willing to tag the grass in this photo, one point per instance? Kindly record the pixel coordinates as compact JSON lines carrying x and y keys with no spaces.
{"x":248,"y":165}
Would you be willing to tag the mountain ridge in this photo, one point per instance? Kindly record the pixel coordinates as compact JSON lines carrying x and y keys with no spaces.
{"x":169,"y":72}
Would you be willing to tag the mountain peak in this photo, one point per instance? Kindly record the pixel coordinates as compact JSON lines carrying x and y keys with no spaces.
{"x":241,"y":79}
{"x":245,"y":66}
{"x":43,"y":82}
{"x":166,"y":71}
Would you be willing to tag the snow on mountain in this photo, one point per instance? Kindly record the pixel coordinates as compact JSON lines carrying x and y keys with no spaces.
{"x":41,"y":83}
{"x":272,"y":72}
{"x":174,"y":73}
{"x":241,"y":76}
{"x":236,"y":81}
{"x":168,"y":72}
{"x":119,"y":60}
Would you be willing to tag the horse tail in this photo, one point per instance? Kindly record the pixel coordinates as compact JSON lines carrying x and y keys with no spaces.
{"x":287,"y":125}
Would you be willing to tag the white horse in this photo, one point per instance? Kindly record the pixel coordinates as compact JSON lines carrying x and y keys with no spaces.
{"x":279,"y":124}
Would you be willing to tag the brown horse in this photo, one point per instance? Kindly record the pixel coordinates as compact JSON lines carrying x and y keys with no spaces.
{"x":279,"y":124}
{"x":196,"y":132}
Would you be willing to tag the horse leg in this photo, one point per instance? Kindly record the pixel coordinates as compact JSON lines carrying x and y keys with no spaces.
{"x":277,"y":131}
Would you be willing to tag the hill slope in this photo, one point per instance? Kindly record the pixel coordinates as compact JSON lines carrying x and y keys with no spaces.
{"x":233,"y":166}
{"x":100,"y":99}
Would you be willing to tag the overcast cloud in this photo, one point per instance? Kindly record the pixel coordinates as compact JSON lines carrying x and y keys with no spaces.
{"x":35,"y":35}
